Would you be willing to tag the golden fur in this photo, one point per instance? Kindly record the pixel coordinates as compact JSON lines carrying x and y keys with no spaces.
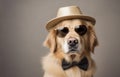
{"x":52,"y":62}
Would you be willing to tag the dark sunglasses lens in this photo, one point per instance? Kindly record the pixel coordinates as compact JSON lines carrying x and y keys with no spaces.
{"x":62,"y":32}
{"x":81,"y":29}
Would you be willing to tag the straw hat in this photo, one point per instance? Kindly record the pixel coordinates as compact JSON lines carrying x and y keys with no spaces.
{"x":70,"y":12}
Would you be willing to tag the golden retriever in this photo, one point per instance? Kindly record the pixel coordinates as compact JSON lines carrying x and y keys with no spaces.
{"x":70,"y":40}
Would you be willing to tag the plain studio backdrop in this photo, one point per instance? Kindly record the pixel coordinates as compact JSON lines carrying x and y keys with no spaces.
{"x":22,"y":32}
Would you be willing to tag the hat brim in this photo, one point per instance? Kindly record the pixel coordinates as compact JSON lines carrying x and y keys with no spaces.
{"x":52,"y":23}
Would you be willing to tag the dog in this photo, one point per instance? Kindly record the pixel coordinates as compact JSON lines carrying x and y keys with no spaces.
{"x":71,"y":43}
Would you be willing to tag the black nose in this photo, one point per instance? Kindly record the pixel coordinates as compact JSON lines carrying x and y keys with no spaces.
{"x":72,"y":42}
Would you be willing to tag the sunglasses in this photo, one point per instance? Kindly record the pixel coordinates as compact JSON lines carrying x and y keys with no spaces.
{"x":81,"y":30}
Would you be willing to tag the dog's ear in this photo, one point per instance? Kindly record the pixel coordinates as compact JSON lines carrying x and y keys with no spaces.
{"x":93,"y":42}
{"x":50,"y":41}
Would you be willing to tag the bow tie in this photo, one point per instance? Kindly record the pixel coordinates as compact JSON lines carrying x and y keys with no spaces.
{"x":83,"y":64}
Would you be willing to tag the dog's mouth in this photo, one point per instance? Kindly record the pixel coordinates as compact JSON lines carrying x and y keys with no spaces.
{"x":73,"y":52}
{"x":72,"y":45}
{"x":73,"y":49}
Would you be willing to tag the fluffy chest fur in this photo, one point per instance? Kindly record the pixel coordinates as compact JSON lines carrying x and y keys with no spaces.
{"x":73,"y":72}
{"x":52,"y":68}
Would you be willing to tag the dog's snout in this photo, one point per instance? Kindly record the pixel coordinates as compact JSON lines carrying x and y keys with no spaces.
{"x":72,"y":41}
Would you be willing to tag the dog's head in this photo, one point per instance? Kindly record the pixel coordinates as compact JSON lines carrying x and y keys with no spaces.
{"x":72,"y":38}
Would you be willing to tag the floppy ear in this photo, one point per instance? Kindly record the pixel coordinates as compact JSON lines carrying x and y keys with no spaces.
{"x":50,"y":41}
{"x":93,"y":42}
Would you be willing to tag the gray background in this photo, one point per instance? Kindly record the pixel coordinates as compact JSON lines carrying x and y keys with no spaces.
{"x":22,"y":32}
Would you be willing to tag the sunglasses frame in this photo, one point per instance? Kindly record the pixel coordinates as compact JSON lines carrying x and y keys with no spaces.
{"x":63,"y":31}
